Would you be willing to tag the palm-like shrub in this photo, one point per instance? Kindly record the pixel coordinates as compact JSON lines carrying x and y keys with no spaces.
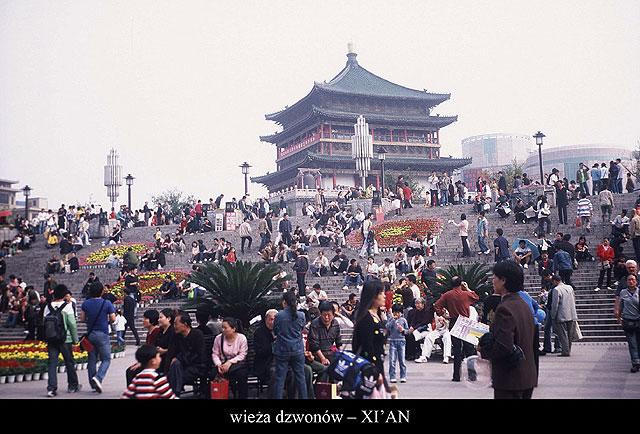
{"x":476,"y":276}
{"x":239,"y":291}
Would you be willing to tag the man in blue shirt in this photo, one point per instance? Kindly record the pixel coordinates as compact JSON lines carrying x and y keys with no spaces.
{"x":98,"y":313}
{"x":501,"y":246}
{"x":563,"y":264}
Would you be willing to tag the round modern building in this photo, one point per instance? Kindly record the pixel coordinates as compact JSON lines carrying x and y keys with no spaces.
{"x":567,"y":159}
{"x":493,"y":152}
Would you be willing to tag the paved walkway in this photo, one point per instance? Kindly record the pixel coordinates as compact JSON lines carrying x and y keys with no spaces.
{"x":592,"y":371}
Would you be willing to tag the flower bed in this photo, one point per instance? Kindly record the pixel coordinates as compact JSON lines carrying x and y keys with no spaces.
{"x":31,"y":357}
{"x":99,"y":257}
{"x":395,"y":233}
{"x":150,"y":283}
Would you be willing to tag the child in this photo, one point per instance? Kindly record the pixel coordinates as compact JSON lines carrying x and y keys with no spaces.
{"x":119,"y":325}
{"x":397,"y":327}
{"x":148,"y":384}
{"x":231,"y":256}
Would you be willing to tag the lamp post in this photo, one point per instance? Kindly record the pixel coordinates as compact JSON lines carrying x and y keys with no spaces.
{"x":381,"y":156}
{"x":27,"y":192}
{"x":538,"y":136}
{"x":362,"y":149}
{"x":245,"y":171}
{"x":129,"y":179}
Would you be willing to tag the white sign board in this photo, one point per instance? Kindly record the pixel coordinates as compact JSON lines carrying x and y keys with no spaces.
{"x":219,"y":219}
{"x":469,"y":330}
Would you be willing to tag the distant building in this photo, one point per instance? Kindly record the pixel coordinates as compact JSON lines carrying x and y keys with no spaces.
{"x":36,"y":204}
{"x":8,"y":194}
{"x":493,"y":152}
{"x":567,"y":159}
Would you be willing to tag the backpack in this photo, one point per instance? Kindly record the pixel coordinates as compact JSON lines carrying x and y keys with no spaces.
{"x":54,"y":329}
{"x":357,"y":374}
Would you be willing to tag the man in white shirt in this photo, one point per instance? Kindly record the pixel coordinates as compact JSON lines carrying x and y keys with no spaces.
{"x":320,"y":265}
{"x":316,"y":296}
{"x":413,"y":287}
{"x":430,"y":335}
{"x":312,"y":234}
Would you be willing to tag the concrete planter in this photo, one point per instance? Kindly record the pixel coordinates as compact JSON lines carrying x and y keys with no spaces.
{"x":19,"y":378}
{"x":62,"y":369}
{"x":28,"y":377}
{"x":84,"y":366}
{"x":44,"y":376}
{"x":36,"y":376}
{"x":11,"y":378}
{"x":3,"y":379}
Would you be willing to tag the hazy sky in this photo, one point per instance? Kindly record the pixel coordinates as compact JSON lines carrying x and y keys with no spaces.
{"x":180,"y":88}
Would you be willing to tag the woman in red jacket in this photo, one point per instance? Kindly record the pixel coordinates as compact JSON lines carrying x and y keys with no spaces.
{"x":605,"y":255}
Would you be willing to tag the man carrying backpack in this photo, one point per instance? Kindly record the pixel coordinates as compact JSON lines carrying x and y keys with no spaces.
{"x":60,"y":332}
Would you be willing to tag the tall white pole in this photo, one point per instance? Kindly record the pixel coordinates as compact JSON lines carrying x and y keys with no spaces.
{"x":362,"y":148}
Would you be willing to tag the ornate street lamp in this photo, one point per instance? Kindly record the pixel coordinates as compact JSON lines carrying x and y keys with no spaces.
{"x":113,"y":177}
{"x":362,"y":148}
{"x":245,"y":171}
{"x":129,"y":179}
{"x":538,"y":136}
{"x":27,"y":192}
{"x":382,"y":154}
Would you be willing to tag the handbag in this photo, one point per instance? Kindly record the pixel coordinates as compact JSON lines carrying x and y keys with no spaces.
{"x":326,"y":390}
{"x":578,"y":222}
{"x":85,"y":343}
{"x":220,"y":388}
{"x":630,"y":326}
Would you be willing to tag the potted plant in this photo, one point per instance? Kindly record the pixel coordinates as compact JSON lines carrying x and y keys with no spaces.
{"x":11,"y":376}
{"x":19,"y":374}
{"x":241,"y":291}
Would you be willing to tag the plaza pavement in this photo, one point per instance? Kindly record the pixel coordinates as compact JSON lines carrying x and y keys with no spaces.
{"x":592,"y":371}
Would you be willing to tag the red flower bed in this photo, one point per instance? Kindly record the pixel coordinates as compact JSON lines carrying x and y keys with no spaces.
{"x":395,"y":233}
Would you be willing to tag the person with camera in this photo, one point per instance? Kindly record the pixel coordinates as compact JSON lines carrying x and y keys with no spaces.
{"x":508,"y":343}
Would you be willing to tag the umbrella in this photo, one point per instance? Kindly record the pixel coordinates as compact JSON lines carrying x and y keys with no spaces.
{"x":534,"y":248}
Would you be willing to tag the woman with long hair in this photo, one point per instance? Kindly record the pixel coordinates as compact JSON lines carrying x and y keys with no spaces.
{"x":463,"y":228}
{"x":288,"y":349}
{"x":368,"y":333}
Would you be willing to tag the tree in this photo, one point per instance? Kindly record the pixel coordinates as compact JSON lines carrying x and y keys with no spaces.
{"x":636,"y":156}
{"x":510,"y":172}
{"x":176,"y":200}
{"x":416,"y":189}
{"x":240,"y":291}
{"x":476,"y":276}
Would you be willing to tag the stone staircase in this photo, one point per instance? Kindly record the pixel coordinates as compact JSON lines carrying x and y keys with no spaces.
{"x":595,"y":310}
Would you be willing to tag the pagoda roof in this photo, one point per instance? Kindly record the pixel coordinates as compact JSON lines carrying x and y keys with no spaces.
{"x":355,"y":80}
{"x":424,"y":121}
{"x":392,"y":162}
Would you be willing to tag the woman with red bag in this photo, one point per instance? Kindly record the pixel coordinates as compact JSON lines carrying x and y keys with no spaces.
{"x":230,"y":350}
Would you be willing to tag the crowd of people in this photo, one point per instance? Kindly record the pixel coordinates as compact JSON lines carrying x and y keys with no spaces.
{"x":296,"y":348}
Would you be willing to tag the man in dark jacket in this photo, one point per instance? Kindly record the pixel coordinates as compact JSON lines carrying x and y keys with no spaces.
{"x":509,"y":343}
{"x":263,"y":340}
{"x":502,"y":182}
{"x":301,"y":267}
{"x":562,"y":201}
{"x":189,"y":362}
{"x":417,"y":318}
{"x":286,"y":229}
{"x":129,"y":313}
{"x":87,"y":286}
